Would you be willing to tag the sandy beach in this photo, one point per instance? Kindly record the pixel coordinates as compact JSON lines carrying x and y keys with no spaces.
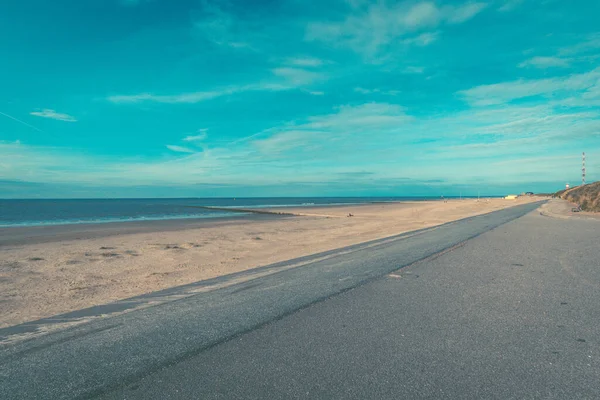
{"x":48,"y":271}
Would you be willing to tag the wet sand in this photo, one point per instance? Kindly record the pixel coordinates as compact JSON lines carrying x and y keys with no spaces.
{"x":49,"y":270}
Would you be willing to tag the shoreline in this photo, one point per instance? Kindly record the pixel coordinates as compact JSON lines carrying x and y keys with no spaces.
{"x":231,"y":212}
{"x":38,"y":234}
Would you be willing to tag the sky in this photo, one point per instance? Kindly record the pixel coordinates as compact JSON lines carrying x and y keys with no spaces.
{"x":199,"y":98}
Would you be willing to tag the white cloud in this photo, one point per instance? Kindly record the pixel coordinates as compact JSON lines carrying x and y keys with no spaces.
{"x":460,"y":14}
{"x":192,"y":97}
{"x":545,"y":62}
{"x":297,"y":76}
{"x":373,"y":115}
{"x":368,"y":31}
{"x":413,"y":70}
{"x":593,"y":93}
{"x":590,"y":44}
{"x":424,"y":14}
{"x":222,"y":28}
{"x":324,"y":134}
{"x":422,"y":40}
{"x":537,"y":121}
{"x":376,"y":91}
{"x":363,"y":90}
{"x":200,"y":135}
{"x":305,"y":61}
{"x":47,"y":113}
{"x":179,"y":149}
{"x":510,"y":5}
{"x":508,"y":91}
{"x":283,"y":78}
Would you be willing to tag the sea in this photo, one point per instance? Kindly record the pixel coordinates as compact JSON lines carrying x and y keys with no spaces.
{"x":14,"y":213}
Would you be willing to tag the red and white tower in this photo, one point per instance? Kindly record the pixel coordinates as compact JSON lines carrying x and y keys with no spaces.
{"x":583,"y":169}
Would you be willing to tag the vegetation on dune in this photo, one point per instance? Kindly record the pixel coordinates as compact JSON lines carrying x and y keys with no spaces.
{"x":560,"y":193}
{"x":586,"y":196}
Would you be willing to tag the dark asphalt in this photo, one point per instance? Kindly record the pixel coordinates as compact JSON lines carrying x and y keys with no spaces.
{"x":512,"y":313}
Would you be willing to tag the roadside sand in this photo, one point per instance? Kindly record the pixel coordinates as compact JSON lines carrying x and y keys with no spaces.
{"x":46,"y":278}
{"x":559,"y":208}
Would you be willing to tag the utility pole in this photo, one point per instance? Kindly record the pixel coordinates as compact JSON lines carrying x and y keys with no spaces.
{"x":583,"y":169}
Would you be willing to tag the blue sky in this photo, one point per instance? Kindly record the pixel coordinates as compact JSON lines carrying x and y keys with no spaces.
{"x":110,"y":98}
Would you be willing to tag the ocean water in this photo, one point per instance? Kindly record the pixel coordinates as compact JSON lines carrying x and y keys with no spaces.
{"x":58,"y":212}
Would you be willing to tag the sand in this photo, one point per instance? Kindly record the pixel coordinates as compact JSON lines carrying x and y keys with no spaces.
{"x":72,"y":268}
{"x":563,"y":209}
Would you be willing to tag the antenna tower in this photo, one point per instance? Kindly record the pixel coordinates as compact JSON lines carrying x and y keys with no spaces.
{"x":583,"y":169}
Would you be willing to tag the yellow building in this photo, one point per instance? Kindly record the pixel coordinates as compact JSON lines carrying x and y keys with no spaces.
{"x":511,"y":197}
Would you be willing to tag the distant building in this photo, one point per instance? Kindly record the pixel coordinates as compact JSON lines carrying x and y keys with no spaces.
{"x":511,"y":197}
{"x":567,"y":186}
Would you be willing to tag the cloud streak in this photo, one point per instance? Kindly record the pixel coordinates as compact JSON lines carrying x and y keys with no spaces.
{"x":201,"y":135}
{"x":192,"y":97}
{"x":305,"y":61}
{"x":179,"y":149}
{"x":48,"y":113}
{"x":379,"y":26}
{"x":283,"y":79}
{"x":508,"y":91}
{"x":545,"y":62}
{"x":21,"y":122}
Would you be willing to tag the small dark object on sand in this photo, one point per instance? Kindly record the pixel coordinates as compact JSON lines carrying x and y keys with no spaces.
{"x":350,"y":215}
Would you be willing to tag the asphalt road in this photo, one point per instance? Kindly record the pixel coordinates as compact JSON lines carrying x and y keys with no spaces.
{"x":511,"y":313}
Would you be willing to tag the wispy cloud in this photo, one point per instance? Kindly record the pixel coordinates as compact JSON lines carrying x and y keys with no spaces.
{"x":305,"y":61}
{"x":367,"y":31}
{"x":590,"y":43}
{"x":583,"y":51}
{"x":283,"y":78}
{"x":413,"y":70}
{"x":199,"y":136}
{"x":222,"y":28}
{"x":192,"y":97}
{"x":179,"y":149}
{"x":509,"y":5}
{"x":545,"y":62}
{"x":460,"y":14}
{"x":508,"y":91}
{"x":376,"y":91}
{"x":297,"y":76}
{"x":48,"y":113}
{"x":424,"y":39}
{"x":324,"y":133}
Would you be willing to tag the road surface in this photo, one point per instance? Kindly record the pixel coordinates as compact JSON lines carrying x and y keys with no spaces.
{"x":510,"y":308}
